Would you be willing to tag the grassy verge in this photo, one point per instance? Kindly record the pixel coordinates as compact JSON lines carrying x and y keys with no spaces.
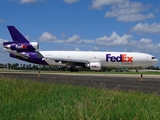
{"x":35,"y":100}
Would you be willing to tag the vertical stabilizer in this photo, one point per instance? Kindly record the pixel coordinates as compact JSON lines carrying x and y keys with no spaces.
{"x":16,"y":35}
{"x":19,"y":43}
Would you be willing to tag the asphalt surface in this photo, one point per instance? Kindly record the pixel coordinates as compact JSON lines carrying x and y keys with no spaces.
{"x":147,"y":84}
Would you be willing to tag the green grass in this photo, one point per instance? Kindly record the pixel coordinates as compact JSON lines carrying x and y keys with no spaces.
{"x":21,"y":99}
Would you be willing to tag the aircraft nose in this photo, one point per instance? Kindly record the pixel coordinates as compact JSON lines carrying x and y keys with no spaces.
{"x":156,"y":61}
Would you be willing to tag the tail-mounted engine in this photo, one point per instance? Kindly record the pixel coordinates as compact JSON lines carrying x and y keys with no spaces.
{"x":94,"y":65}
{"x":21,"y":46}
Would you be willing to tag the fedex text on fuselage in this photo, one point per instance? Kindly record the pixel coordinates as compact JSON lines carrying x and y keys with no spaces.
{"x":120,"y":58}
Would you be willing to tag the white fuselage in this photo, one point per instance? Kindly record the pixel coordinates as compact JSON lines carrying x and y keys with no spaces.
{"x":107,"y":59}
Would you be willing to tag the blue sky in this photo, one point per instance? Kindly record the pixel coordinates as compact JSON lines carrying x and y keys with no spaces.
{"x":87,"y":25}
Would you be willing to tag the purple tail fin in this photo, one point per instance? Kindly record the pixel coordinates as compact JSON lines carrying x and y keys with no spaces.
{"x":20,"y":43}
{"x":16,"y":35}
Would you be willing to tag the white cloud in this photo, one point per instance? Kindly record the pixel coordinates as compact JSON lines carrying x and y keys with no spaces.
{"x":59,"y":41}
{"x":124,"y":10}
{"x":134,"y":17}
{"x":63,"y":35}
{"x":85,"y":41}
{"x":70,"y":1}
{"x":64,"y":49}
{"x":97,"y":4}
{"x":145,"y":44}
{"x":74,"y":39}
{"x":3,"y":54}
{"x":129,"y":12}
{"x":146,"y":28}
{"x":1,"y":42}
{"x":28,"y":1}
{"x":114,"y":40}
{"x":145,"y":41}
{"x":77,"y":49}
{"x":46,"y":36}
{"x":95,"y":48}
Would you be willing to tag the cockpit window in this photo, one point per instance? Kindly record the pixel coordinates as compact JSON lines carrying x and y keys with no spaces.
{"x":153,"y":57}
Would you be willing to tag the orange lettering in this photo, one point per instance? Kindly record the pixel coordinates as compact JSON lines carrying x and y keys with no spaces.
{"x":124,"y":58}
{"x":130,"y":59}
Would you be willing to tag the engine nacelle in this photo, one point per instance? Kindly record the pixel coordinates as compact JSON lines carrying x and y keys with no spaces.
{"x":21,"y":46}
{"x":94,"y":65}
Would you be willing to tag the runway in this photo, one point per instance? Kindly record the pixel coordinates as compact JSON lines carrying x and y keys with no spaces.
{"x":149,"y":83}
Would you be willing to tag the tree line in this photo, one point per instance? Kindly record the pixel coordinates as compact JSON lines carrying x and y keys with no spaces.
{"x":17,"y":66}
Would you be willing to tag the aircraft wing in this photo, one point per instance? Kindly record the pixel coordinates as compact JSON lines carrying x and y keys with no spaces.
{"x":17,"y":54}
{"x":72,"y":61}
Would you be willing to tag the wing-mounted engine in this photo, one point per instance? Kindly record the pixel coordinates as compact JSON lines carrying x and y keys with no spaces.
{"x":32,"y":46}
{"x":94,"y":65}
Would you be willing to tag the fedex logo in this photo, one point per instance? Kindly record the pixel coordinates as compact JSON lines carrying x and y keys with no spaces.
{"x":21,"y":46}
{"x":121,"y":58}
{"x":94,"y":66}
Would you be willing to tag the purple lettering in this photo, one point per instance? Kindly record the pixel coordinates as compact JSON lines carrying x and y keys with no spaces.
{"x":108,"y":56}
{"x":120,"y":58}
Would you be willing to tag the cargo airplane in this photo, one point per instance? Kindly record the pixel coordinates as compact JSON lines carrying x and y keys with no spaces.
{"x":20,"y":48}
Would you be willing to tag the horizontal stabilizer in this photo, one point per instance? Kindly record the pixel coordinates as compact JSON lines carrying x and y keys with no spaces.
{"x":17,"y":54}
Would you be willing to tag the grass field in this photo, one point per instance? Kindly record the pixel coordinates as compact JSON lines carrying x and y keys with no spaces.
{"x":21,"y":100}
